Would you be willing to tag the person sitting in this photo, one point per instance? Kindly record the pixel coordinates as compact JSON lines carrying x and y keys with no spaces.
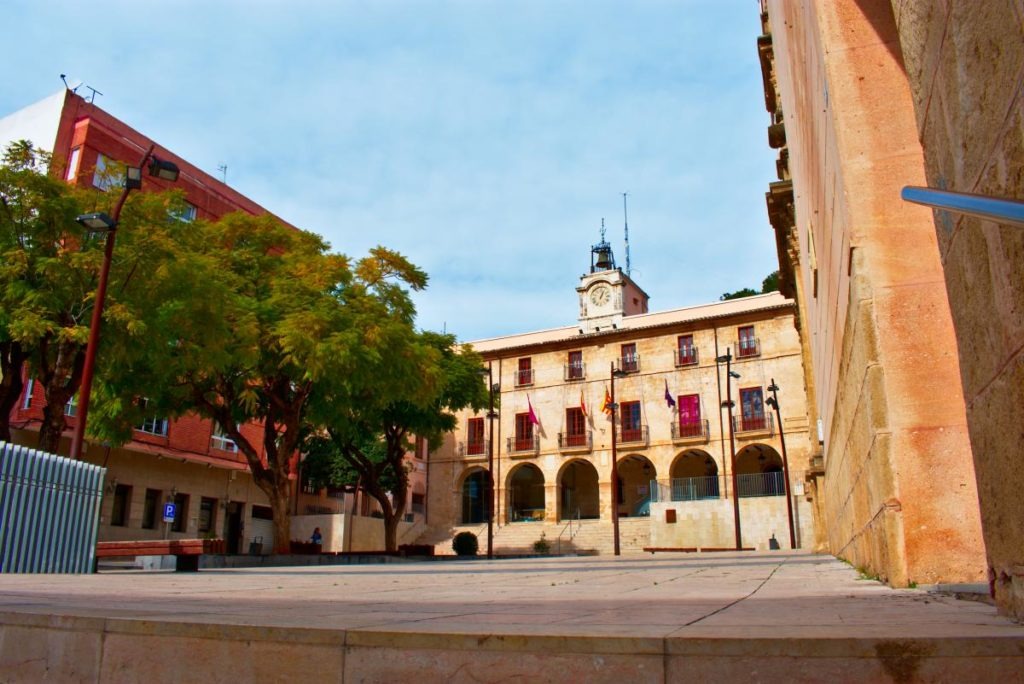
{"x":316,"y":538}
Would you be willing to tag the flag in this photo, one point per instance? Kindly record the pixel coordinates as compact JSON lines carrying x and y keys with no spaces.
{"x":583,"y":404}
{"x":669,"y":401}
{"x":607,"y":405}
{"x":533,"y":416}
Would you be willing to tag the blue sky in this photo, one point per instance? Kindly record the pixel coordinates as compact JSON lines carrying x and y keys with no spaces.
{"x":484,"y":140}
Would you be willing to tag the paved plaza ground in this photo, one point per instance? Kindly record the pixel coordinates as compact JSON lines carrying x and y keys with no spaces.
{"x":758,"y":617}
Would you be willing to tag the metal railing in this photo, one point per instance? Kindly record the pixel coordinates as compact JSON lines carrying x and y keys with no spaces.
{"x":687,"y":356}
{"x":524,"y":377}
{"x":473,"y":448}
{"x":637,"y":435}
{"x":694,"y":488}
{"x":523,"y":445}
{"x":695,"y":430}
{"x":573,"y":441}
{"x":574,"y":371}
{"x":761,"y":484}
{"x":568,"y":526}
{"x":49,"y":511}
{"x":748,"y":347}
{"x":980,"y":206}
{"x":758,"y":422}
{"x":630,"y":363}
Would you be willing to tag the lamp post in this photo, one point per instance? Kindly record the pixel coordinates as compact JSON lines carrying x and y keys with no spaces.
{"x":773,"y":401}
{"x":728,"y":403}
{"x":97,"y":222}
{"x":615,"y":464}
{"x":491,"y":416}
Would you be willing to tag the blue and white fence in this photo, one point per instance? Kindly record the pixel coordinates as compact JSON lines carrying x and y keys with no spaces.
{"x":49,"y":511}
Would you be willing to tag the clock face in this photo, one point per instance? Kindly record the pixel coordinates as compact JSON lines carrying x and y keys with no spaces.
{"x":600,"y":295}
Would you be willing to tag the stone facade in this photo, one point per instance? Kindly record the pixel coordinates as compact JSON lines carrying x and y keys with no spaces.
{"x":560,"y":467}
{"x":965,"y":68}
{"x":898,"y":491}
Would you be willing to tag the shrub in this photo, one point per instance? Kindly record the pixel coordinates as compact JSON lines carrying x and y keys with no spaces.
{"x":542,"y":545}
{"x":465,"y":544}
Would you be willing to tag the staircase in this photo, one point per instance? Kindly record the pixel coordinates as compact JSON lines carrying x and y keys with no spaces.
{"x":590,"y":537}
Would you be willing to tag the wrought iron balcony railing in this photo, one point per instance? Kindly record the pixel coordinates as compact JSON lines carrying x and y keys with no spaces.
{"x":748,"y":347}
{"x":630,"y":363}
{"x":574,"y":371}
{"x":473,"y":448}
{"x":576,"y":441}
{"x":758,"y":422}
{"x":523,"y":445}
{"x":633,"y":435}
{"x":697,"y":431}
{"x":524,"y":378}
{"x":687,"y":356}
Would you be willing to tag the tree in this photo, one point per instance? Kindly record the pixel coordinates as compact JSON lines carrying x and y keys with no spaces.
{"x":769,"y":284}
{"x":745,"y":292}
{"x":279,"y":321}
{"x":371,"y":427}
{"x":49,"y":275}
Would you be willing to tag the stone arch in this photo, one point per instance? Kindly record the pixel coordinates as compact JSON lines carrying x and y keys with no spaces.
{"x":694,"y":475}
{"x":525,"y":485}
{"x":578,"y":490}
{"x":759,"y":472}
{"x":635,"y":474}
{"x":473,"y":493}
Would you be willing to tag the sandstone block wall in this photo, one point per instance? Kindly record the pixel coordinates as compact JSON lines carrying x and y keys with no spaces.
{"x":965,"y":65}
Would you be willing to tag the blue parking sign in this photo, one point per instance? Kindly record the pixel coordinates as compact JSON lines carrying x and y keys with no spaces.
{"x":169,"y":511}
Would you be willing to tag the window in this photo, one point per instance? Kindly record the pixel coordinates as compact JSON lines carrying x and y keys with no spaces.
{"x":686,"y":353}
{"x":524,"y":375}
{"x":575,"y":427}
{"x":29,"y":387}
{"x":630,"y":361}
{"x":262,"y":512}
{"x":105,"y":176}
{"x":71,"y":408}
{"x":207,"y":514}
{"x":180,"y":523}
{"x":122,"y":500}
{"x":629,"y":418}
{"x":150,"y":509}
{"x":748,"y":343}
{"x":524,"y":432}
{"x":690,"y":424}
{"x":187,"y":212}
{"x":219,"y":440}
{"x":151,"y":424}
{"x":421,"y":447}
{"x":76,"y":155}
{"x":752,"y":404}
{"x":475,"y":444}
{"x":418,"y":503}
{"x":574,"y":366}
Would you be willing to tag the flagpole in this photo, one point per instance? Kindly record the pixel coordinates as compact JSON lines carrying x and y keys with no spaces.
{"x":615,"y":471}
{"x":491,"y":415}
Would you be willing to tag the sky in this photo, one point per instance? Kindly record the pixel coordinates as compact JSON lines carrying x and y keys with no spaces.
{"x":485,"y":141}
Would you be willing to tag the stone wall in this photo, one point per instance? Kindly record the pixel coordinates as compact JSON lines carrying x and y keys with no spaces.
{"x":709,"y":523}
{"x":965,"y":64}
{"x":899,"y":490}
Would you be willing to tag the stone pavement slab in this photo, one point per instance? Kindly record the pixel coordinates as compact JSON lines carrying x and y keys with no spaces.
{"x":779,"y":616}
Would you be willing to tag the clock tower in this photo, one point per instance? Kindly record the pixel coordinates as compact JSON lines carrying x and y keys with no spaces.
{"x":607,"y":294}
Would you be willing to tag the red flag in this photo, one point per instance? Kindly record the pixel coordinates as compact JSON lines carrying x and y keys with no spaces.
{"x":533,"y":416}
{"x":607,"y":405}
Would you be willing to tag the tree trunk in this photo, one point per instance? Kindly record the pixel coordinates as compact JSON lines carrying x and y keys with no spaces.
{"x":280,"y":503}
{"x":391,"y":520}
{"x":53,"y":425}
{"x":12,"y":363}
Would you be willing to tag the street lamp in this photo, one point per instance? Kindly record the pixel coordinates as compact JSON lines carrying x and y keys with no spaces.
{"x":99,"y":221}
{"x":615,"y":465}
{"x":492,"y":387}
{"x":773,"y":401}
{"x":728,"y":403}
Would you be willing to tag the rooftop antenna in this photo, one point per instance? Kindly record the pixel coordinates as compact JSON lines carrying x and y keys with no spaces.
{"x":223,"y":168}
{"x":64,"y":77}
{"x":602,"y":229}
{"x":93,"y":94}
{"x":625,"y":218}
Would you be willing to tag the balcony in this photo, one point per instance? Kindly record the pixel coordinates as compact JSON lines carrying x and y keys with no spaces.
{"x":574,"y":371}
{"x":697,"y":431}
{"x":473,"y":448}
{"x":687,"y":356}
{"x":760,"y":484}
{"x":524,"y":378}
{"x":576,"y":441}
{"x":633,"y":436}
{"x":629,"y":363}
{"x":756,"y":424}
{"x":523,"y":446}
{"x":748,"y":348}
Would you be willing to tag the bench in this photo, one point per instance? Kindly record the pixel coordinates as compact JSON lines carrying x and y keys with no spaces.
{"x":186,"y":551}
{"x":693,"y":549}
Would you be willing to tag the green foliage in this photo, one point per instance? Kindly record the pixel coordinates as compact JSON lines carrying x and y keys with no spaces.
{"x":745,"y":292}
{"x":465,"y":544}
{"x":542,"y":545}
{"x":769,"y":284}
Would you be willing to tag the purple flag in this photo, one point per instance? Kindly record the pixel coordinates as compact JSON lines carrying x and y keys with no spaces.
{"x":668,"y":397}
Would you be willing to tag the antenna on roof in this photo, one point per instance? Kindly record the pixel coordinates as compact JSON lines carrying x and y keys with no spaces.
{"x":625,"y":218}
{"x":223,"y":168}
{"x":602,"y":230}
{"x":92,"y":96}
{"x":78,"y":84}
